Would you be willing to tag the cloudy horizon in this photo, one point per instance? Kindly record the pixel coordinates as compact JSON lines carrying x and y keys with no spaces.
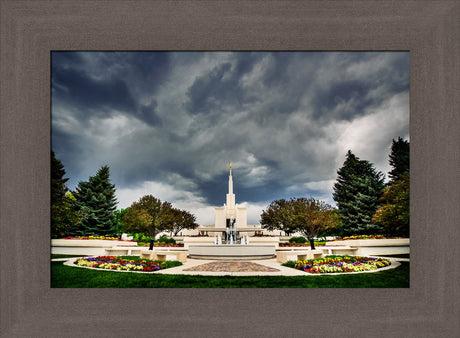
{"x":168,"y":123}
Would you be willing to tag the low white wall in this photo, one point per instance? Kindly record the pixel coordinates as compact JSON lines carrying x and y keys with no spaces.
{"x":231,"y":251}
{"x":337,"y":250}
{"x":372,"y":242}
{"x":375,"y":247}
{"x":295,"y":248}
{"x":85,"y":246}
{"x":197,"y":240}
{"x":264,"y":240}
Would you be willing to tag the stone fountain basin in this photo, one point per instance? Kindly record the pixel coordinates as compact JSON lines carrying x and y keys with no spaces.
{"x":229,"y":251}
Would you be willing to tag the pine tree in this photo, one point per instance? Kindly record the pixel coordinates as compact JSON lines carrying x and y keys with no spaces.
{"x":97,"y":198}
{"x":399,"y":159}
{"x":58,"y":182}
{"x":357,"y":191}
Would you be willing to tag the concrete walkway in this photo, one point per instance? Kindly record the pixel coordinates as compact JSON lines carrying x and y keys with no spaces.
{"x":271,"y":263}
{"x":203,"y":268}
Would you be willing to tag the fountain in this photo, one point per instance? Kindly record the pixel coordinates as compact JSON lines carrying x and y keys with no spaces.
{"x":231,"y":216}
{"x":230,"y":250}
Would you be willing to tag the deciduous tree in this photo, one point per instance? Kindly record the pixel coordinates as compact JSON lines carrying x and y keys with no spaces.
{"x":312,"y":217}
{"x":182,"y":219}
{"x":305,"y":215}
{"x":394,"y":213}
{"x":278,"y":216}
{"x":67,"y":218}
{"x":149,"y":215}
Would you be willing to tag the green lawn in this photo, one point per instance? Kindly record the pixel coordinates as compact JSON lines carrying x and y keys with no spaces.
{"x":69,"y":277}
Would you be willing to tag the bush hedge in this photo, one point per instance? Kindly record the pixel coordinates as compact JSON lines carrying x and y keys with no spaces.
{"x":298,"y":240}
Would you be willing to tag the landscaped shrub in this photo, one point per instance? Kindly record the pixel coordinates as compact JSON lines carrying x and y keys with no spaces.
{"x":140,"y":237}
{"x":166,"y":240}
{"x":337,"y":264}
{"x":298,"y":240}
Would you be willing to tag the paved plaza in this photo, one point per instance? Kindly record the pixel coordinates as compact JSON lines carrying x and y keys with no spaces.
{"x":261,"y":267}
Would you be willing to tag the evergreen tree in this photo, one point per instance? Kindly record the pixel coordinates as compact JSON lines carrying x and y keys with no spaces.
{"x":97,"y":198}
{"x":399,"y":159}
{"x":58,"y":182}
{"x":357,"y":191}
{"x":62,"y":215}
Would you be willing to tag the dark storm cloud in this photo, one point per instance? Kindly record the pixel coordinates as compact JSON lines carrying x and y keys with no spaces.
{"x":148,"y":114}
{"x":76,"y":89}
{"x":210,"y":91}
{"x":285,"y":119}
{"x":101,"y":83}
{"x":346,"y":98}
{"x":68,"y":146}
{"x":221,"y":87}
{"x":325,"y":101}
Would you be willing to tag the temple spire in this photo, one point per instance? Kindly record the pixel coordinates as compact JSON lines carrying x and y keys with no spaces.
{"x":230,"y":181}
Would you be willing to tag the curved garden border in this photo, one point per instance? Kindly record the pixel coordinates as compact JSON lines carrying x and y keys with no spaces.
{"x":394,"y":264}
{"x":70,"y":262}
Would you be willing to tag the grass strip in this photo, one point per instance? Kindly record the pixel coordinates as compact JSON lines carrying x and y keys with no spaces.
{"x":70,"y":277}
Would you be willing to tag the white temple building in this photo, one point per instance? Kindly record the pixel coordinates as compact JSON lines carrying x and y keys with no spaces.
{"x":230,"y":209}
{"x":229,"y":216}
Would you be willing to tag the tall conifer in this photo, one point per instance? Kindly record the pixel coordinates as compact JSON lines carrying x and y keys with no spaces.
{"x":58,"y":182}
{"x":97,"y":197}
{"x":357,"y":191}
{"x":399,"y":159}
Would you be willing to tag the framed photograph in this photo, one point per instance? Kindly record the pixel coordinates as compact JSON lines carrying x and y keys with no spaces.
{"x":416,"y":40}
{"x":319,"y":149}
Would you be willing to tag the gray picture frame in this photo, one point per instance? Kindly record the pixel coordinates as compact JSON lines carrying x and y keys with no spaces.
{"x":429,"y":30}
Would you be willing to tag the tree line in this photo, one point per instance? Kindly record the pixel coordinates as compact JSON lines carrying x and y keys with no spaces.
{"x":91,"y":209}
{"x":365,"y":204}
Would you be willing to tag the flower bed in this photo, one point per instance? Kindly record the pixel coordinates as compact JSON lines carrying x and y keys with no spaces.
{"x":338,"y":264}
{"x":180,"y":245}
{"x":108,"y":238}
{"x":364,"y":237}
{"x":126,"y":264}
{"x":287,"y":245}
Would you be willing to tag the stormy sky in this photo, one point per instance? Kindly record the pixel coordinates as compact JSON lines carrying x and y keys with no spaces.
{"x":168,"y":123}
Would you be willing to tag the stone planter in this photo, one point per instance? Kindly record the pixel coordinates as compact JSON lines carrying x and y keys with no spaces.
{"x":264,"y":241}
{"x":85,"y":247}
{"x":197,"y":240}
{"x":374,"y":247}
